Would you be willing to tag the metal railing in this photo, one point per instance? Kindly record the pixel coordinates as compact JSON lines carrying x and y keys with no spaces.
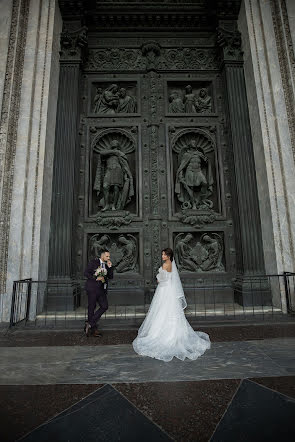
{"x":20,"y":303}
{"x":57,"y":304}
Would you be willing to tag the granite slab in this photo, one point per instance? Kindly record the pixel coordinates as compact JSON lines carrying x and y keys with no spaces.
{"x":119,"y":363}
{"x":105,"y":415}
{"x":257,"y":413}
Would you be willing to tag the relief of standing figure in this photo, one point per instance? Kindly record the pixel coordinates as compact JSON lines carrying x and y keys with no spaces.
{"x":127,"y":104}
{"x":175,"y":103}
{"x":194,"y":178}
{"x":189,"y":100}
{"x":203,"y":102}
{"x":97,"y":99}
{"x":117,"y":182}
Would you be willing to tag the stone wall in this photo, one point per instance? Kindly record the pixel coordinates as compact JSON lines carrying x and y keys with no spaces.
{"x":29,"y":73}
{"x":27,"y":140}
{"x":268,"y":45}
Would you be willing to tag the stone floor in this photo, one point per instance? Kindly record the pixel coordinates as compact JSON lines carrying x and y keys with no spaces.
{"x":61,"y":386}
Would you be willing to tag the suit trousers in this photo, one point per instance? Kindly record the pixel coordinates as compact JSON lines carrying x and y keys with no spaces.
{"x":94,"y":297}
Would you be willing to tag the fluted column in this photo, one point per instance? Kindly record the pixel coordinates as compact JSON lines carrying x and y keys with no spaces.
{"x":245,"y":201}
{"x":65,"y":165}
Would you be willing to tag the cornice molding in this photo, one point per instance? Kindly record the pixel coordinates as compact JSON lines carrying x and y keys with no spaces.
{"x":115,"y":15}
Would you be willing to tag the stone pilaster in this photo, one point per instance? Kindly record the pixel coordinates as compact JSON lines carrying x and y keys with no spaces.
{"x":28,"y":104}
{"x":247,"y":216}
{"x":268,"y":42}
{"x":73,"y":48}
{"x":5,"y":26}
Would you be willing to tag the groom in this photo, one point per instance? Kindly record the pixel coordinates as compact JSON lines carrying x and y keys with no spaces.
{"x":96,"y":289}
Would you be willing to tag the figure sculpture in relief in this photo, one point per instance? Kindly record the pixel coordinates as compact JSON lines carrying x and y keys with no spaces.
{"x":205,"y":255}
{"x":175,"y":103}
{"x":113,"y":177}
{"x":189,"y":100}
{"x":98,"y":243}
{"x":97,"y":99}
{"x":194,"y":179}
{"x":129,"y":253}
{"x":113,"y":100}
{"x":203,"y":102}
{"x":127,"y":103}
{"x":109,"y":100}
{"x":214,"y":251}
{"x":183,"y":253}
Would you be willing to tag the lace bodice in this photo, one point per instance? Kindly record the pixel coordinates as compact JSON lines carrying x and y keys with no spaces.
{"x":163,"y":276}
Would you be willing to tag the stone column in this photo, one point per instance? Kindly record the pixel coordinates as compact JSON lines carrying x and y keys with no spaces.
{"x":27,"y":122}
{"x":268,"y":32}
{"x":5,"y":23}
{"x":73,"y":46}
{"x":247,"y":216}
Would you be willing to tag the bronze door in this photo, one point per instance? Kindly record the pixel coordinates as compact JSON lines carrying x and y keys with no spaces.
{"x":154,"y":162}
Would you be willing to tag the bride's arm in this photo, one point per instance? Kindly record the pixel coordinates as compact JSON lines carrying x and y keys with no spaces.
{"x":164,"y":276}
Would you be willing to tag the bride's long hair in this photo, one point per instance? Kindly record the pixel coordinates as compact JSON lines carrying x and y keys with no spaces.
{"x":168,"y":252}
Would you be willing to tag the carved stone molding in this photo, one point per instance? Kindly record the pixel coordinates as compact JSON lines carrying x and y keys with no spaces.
{"x":186,"y":15}
{"x":185,"y":58}
{"x":74,"y":45}
{"x":116,"y":220}
{"x":9,"y":122}
{"x":105,"y":135}
{"x":197,"y":220}
{"x":229,"y":40}
{"x":156,"y":246}
{"x":204,"y":137}
{"x":151,"y":50}
{"x":286,"y":60}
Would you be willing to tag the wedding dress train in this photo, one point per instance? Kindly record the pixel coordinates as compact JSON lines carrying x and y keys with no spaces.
{"x":165,"y":332}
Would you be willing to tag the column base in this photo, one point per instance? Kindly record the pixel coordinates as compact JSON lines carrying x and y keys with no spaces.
{"x":62,"y":295}
{"x":252,"y":291}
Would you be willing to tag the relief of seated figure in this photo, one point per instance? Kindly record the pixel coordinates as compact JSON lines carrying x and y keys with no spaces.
{"x":113,"y":100}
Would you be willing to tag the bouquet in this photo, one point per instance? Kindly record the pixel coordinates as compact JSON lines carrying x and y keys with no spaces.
{"x":100,"y":273}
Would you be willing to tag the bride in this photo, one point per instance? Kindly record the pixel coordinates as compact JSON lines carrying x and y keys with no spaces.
{"x":165,"y":332}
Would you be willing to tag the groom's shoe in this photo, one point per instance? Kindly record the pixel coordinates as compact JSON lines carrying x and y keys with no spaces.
{"x":96,"y":333}
{"x":87,"y":329}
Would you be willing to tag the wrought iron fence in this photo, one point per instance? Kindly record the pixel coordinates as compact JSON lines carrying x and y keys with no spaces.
{"x":57,"y":304}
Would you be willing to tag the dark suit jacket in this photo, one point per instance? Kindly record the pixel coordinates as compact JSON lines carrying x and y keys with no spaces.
{"x":91,"y":284}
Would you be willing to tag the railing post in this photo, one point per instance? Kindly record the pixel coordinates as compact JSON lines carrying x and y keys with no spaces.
{"x":12,"y":304}
{"x":29,"y":291}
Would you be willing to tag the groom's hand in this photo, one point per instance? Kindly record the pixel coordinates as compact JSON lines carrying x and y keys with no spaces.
{"x":109,"y":263}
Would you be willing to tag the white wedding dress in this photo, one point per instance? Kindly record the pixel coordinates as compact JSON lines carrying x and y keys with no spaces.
{"x":165,"y":332}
